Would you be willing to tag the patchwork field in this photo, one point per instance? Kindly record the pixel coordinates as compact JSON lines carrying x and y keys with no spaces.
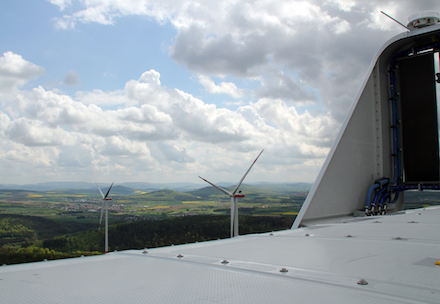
{"x":69,"y":205}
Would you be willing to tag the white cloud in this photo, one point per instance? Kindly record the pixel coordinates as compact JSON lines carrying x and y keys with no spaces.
{"x":57,"y":110}
{"x":342,"y":27}
{"x":155,"y":129}
{"x":146,"y":114}
{"x":36,"y":133}
{"x":28,"y":159}
{"x":175,"y":153}
{"x":76,"y":156}
{"x":99,"y":97}
{"x":249,"y":39}
{"x":346,"y":5}
{"x":15,"y":72}
{"x":309,"y":58}
{"x":279,"y":85}
{"x":4,"y":123}
{"x":62,"y":4}
{"x":228,"y":88}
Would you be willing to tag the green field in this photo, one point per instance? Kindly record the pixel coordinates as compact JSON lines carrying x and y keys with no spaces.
{"x":63,"y":223}
{"x":85,"y":207}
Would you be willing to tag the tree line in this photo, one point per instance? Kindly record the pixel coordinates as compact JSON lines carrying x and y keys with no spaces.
{"x":141,"y":234}
{"x":174,"y":230}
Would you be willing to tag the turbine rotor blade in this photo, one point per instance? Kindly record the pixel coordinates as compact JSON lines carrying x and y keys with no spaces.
{"x":100,"y":190}
{"x":244,"y":176}
{"x":100,"y":219}
{"x":103,"y":202}
{"x":219,"y":188}
{"x":108,"y":190}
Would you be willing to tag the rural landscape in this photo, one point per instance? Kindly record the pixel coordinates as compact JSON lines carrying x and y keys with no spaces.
{"x":61,"y":219}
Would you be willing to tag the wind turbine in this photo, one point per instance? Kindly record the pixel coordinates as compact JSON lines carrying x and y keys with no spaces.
{"x":105,"y":201}
{"x":234,"y":199}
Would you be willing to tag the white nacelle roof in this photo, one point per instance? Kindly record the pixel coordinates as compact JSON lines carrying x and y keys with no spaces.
{"x":394,"y":254}
{"x":423,"y":19}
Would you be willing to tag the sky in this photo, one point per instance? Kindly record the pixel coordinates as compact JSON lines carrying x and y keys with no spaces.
{"x":167,"y":90}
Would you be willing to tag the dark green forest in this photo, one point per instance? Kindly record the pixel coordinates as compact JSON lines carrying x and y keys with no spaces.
{"x":29,"y":238}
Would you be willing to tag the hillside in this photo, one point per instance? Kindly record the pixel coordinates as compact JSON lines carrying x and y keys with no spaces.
{"x":167,"y":196}
{"x":23,"y":230}
{"x":53,"y":242}
{"x":208,"y":191}
{"x":176,"y":230}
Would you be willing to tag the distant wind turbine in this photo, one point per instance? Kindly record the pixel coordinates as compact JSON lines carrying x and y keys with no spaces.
{"x":234,"y":199}
{"x":105,"y":201}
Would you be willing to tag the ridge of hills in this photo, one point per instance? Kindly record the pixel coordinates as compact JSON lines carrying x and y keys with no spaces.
{"x":206,"y":193}
{"x":128,"y":188}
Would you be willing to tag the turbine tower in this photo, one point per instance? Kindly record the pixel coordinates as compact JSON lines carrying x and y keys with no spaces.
{"x":105,"y":201}
{"x":234,"y":199}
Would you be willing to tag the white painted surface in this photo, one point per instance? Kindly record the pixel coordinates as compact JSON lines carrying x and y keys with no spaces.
{"x":323,"y":267}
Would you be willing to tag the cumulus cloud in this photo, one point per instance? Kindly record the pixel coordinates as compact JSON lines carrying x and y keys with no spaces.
{"x":278,"y":85}
{"x":36,"y":133}
{"x":219,"y":55}
{"x":75,"y":156}
{"x":312,"y":39}
{"x":62,"y":4}
{"x":99,"y":97}
{"x":175,"y":152}
{"x":160,"y":128}
{"x":228,"y":88}
{"x":16,"y":71}
{"x":322,"y":43}
{"x":296,"y":53}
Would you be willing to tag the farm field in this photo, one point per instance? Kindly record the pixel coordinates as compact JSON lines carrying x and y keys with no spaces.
{"x":62,"y":223}
{"x":85,"y":207}
{"x":37,"y":225}
{"x":127,"y":204}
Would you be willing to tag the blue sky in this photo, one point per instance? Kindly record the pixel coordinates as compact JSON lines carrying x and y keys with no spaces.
{"x":105,"y":56}
{"x":145,"y":90}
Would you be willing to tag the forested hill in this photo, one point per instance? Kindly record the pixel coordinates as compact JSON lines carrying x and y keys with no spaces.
{"x":167,"y":195}
{"x":139,"y":234}
{"x":175,"y":230}
{"x":24,"y":230}
{"x":188,"y":229}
